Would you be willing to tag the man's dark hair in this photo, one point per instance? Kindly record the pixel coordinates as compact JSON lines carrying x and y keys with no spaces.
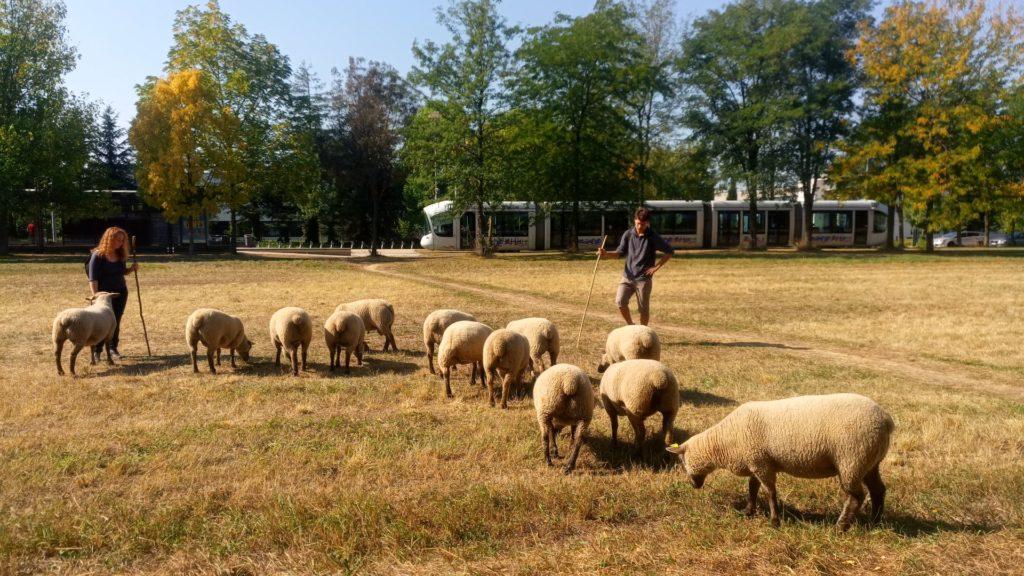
{"x":642,"y":214}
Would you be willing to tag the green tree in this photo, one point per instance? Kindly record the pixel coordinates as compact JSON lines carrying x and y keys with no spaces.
{"x":34,"y":57}
{"x":732,"y":69}
{"x":577,"y":78}
{"x":464,"y":79}
{"x":112,"y":164}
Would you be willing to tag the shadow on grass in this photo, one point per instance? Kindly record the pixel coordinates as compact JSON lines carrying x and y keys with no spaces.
{"x":710,"y":343}
{"x":701,"y":398}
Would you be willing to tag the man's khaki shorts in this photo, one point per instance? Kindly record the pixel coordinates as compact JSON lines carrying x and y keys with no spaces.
{"x":641,"y":287}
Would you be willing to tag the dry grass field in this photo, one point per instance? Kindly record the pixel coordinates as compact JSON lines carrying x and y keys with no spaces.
{"x":147,"y":468}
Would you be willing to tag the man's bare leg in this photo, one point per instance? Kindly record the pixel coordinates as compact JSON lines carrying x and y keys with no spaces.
{"x":626,"y":315}
{"x":645,"y":317}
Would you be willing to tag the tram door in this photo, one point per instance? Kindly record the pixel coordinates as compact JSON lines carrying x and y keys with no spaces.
{"x":778,"y":228}
{"x":860,"y":228}
{"x":615,"y":223}
{"x":728,"y":228}
{"x":467,"y":231}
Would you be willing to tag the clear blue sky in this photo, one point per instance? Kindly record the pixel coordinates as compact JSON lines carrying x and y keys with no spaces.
{"x":120,"y":42}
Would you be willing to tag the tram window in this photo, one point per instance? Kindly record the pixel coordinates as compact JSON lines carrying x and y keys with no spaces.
{"x":843,"y":223}
{"x":880,"y":222}
{"x":675,"y":222}
{"x":820,"y":222}
{"x":590,"y":224}
{"x":760,"y":222}
{"x":511,"y":224}
{"x":444,"y":229}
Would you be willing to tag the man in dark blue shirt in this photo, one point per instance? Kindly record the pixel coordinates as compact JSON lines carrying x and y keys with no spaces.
{"x":638,"y":246}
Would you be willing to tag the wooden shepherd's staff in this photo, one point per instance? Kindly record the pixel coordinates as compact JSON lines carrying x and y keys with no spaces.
{"x":591,"y":293}
{"x":138,"y":294}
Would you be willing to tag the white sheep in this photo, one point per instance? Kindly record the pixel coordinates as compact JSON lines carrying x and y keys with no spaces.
{"x":845,"y":435}
{"x":637,"y":389}
{"x":563,"y":396}
{"x":377,"y":314}
{"x":507,"y":356}
{"x":344,"y":330}
{"x":435,"y":325}
{"x":291,"y":329}
{"x":630,"y":342}
{"x":85,"y":327}
{"x":543,"y":337}
{"x":215,"y":330}
{"x":462,"y":343}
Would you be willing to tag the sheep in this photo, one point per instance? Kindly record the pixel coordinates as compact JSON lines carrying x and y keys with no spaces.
{"x":435,"y":325}
{"x":344,"y":329}
{"x":462,"y":343}
{"x":845,"y":435}
{"x":630,"y":342}
{"x":543,"y":337}
{"x":506,"y":354}
{"x":377,"y":315}
{"x":637,"y":389}
{"x":563,"y":396}
{"x":291,"y":328}
{"x":85,"y":327}
{"x":215,"y":330}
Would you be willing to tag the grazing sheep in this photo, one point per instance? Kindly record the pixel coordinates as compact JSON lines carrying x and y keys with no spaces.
{"x":543,"y":337}
{"x":562,"y":396}
{"x":291,"y":328}
{"x":506,"y":354}
{"x":344,"y":329}
{"x":377,"y":315}
{"x":435,"y":325}
{"x":631,"y":342}
{"x":637,"y":389}
{"x":85,"y":327}
{"x":215,"y":330}
{"x":462,"y":343}
{"x":845,"y":435}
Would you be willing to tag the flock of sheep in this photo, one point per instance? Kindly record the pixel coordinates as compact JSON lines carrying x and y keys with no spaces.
{"x":844,"y":435}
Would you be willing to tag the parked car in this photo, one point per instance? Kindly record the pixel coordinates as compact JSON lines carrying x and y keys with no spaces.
{"x":1001,"y":239}
{"x":949,"y":239}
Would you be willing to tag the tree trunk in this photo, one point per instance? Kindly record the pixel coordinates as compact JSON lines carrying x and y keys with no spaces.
{"x":234,"y":232}
{"x":929,"y":236}
{"x":40,"y":232}
{"x":752,"y":196}
{"x":574,"y":226}
{"x":807,"y":242}
{"x":481,"y":246}
{"x":890,"y":227}
{"x":374,"y":214}
{"x":191,"y":236}
{"x":900,"y":222}
{"x":5,"y":247}
{"x":988,"y":230}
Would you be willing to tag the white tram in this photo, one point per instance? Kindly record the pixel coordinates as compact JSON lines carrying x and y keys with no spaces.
{"x":516,"y":226}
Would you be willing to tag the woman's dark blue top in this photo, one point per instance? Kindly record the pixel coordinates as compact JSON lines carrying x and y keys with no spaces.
{"x":109,"y":275}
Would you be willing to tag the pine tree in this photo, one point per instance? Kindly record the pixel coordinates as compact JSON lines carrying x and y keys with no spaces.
{"x":112,"y":159}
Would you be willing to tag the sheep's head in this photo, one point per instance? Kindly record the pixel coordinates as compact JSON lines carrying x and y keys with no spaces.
{"x":102,"y":297}
{"x":696,"y":474}
{"x":604,"y":364}
{"x":243,"y":349}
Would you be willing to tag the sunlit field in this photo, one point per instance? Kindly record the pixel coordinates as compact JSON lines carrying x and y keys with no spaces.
{"x":148,"y":468}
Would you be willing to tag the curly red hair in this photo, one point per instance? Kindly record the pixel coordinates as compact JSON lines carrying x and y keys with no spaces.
{"x":106,"y":248}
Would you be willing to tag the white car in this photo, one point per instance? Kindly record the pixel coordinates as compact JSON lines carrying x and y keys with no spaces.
{"x":949,"y":239}
{"x":1002,"y":239}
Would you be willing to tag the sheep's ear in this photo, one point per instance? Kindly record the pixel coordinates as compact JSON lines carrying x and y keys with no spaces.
{"x":90,"y":298}
{"x":676,"y":449}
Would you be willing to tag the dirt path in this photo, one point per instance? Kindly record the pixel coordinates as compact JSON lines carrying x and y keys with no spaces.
{"x":922,"y":370}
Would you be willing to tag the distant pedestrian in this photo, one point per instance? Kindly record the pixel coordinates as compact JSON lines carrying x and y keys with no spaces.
{"x":638,"y":246}
{"x":108,"y":265}
{"x":31,"y":230}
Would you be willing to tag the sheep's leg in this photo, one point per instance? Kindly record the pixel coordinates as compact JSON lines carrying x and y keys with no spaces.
{"x":74,"y":356}
{"x":58,"y":348}
{"x":667,"y":418}
{"x":348,"y":360}
{"x":546,"y":433}
{"x":480,"y":370}
{"x":94,"y":355}
{"x":359,"y":356}
{"x":753,"y":485}
{"x":579,"y":431}
{"x":554,"y":357}
{"x":233,"y":365}
{"x":277,"y":355}
{"x":333,"y":351}
{"x":876,"y":488}
{"x":218,"y":356}
{"x":305,"y":353}
{"x":210,"y":353}
{"x":639,"y":435}
{"x":506,"y":383}
{"x":854,"y":498}
{"x":293,"y":355}
{"x":489,"y":378}
{"x":106,"y":347}
{"x":430,"y":357}
{"x":554,"y":440}
{"x":448,"y":382}
{"x":394,"y":345}
{"x":614,"y":419}
{"x":768,"y":480}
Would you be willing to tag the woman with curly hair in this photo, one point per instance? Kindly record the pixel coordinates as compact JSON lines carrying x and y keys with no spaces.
{"x":107,"y":268}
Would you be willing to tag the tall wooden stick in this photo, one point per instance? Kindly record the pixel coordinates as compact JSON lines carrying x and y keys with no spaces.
{"x":591,"y":293}
{"x":138,"y":294}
